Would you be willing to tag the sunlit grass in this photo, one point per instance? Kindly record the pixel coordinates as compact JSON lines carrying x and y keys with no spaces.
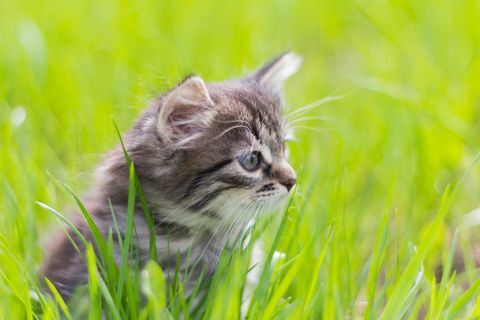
{"x":372,"y":217}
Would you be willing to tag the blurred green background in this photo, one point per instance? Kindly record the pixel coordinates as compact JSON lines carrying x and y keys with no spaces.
{"x":407,"y":126}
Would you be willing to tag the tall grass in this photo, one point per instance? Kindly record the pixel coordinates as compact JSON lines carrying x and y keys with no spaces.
{"x":372,"y":218}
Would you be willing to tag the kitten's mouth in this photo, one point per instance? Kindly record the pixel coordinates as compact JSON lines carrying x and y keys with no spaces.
{"x":275,"y":195}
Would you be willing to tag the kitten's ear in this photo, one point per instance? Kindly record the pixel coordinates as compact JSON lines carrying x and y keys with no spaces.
{"x":185,"y":112}
{"x":274,"y":73}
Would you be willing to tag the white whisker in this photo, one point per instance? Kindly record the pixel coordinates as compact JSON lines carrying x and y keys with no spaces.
{"x":312,"y":129}
{"x":314,"y":104}
{"x":304,"y":119}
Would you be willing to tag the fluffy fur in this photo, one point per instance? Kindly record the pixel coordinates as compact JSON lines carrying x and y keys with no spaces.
{"x":189,"y":150}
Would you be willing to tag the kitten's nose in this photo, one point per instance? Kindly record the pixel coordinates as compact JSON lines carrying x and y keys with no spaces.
{"x":285,"y":175}
{"x":289,"y":182}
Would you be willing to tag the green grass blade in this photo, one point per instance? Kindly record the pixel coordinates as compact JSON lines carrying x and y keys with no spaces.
{"x":316,"y":274}
{"x":261,"y":289}
{"x":95,"y":311}
{"x":154,"y":288}
{"x":401,"y":293}
{"x":143,"y":201}
{"x":379,"y":251}
{"x":128,"y":236}
{"x":461,"y":303}
{"x":97,"y":235}
{"x":58,"y":298}
{"x":66,"y":221}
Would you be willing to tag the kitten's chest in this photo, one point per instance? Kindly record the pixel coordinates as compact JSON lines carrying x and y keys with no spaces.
{"x":198,"y":250}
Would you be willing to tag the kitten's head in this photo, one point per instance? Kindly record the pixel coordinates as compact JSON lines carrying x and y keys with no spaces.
{"x":219,"y":148}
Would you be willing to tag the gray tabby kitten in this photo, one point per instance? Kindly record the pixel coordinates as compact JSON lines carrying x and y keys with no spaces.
{"x":210,"y":157}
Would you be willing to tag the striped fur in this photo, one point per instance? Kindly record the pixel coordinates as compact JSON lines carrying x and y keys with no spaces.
{"x":186,"y":148}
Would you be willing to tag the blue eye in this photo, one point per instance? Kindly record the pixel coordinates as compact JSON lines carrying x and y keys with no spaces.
{"x":251,"y":162}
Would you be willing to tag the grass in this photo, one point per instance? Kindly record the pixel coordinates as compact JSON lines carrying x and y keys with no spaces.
{"x":387,"y":171}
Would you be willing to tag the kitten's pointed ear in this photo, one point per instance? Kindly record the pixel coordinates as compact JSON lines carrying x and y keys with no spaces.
{"x":185,"y":112}
{"x":274,"y":73}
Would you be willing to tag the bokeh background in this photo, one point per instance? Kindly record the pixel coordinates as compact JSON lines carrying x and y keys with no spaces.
{"x":402,"y":126}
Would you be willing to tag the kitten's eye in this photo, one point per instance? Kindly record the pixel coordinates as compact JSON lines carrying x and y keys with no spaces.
{"x":251,"y":162}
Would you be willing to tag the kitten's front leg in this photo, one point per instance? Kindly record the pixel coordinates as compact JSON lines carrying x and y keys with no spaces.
{"x":257,"y":263}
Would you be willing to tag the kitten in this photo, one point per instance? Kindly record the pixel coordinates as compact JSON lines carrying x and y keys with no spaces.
{"x":209,"y":157}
